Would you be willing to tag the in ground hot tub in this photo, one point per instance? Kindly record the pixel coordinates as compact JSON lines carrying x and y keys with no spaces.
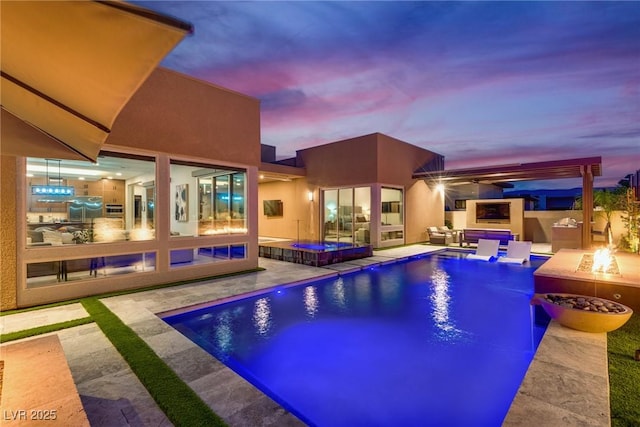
{"x":313,"y":253}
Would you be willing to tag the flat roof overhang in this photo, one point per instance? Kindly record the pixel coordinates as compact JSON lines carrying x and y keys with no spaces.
{"x":556,"y":169}
{"x":270,"y":172}
{"x":69,"y":67}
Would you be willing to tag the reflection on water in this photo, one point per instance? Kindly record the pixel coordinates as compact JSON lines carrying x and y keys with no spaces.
{"x":262,"y":316}
{"x":440,"y":299}
{"x":363,"y":292}
{"x":224,"y":331}
{"x":311,"y":300}
{"x":390,"y":290}
{"x":337,"y":294}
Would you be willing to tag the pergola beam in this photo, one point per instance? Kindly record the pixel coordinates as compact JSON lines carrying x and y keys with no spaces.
{"x":587,"y":205}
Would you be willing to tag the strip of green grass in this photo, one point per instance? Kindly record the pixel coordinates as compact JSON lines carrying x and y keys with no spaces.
{"x":624,"y":374}
{"x":178,"y":401}
{"x":12,"y":336}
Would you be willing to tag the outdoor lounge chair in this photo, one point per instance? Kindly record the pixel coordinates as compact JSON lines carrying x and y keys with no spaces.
{"x":486,"y":250}
{"x":517,"y":252}
{"x":439,"y":237}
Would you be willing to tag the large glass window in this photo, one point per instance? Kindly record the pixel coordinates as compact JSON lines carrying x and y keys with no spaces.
{"x":347,"y":214}
{"x":392,"y":211}
{"x":330,"y":214}
{"x":79,"y":202}
{"x":207,"y":200}
{"x":209,"y":254}
{"x":362,"y":214}
{"x":67,"y":270}
{"x":392,"y":217}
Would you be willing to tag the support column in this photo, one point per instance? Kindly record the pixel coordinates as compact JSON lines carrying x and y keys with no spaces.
{"x":8,"y":234}
{"x":587,"y":205}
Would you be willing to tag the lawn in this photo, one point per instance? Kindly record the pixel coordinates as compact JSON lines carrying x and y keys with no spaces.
{"x":624,"y":374}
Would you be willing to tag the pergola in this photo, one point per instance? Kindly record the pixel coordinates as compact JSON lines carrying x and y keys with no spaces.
{"x":587,"y":168}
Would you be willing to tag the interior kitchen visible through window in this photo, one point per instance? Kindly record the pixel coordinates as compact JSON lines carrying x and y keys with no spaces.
{"x":77,"y":202}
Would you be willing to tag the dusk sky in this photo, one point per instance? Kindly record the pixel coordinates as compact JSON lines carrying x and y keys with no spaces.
{"x":482,"y":83}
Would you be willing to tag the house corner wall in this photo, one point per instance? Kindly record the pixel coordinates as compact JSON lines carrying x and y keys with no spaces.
{"x":8,"y":236}
{"x":300,"y":219}
{"x":424,"y":208}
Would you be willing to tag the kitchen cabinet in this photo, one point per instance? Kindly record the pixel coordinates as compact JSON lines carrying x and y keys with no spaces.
{"x":114,"y":192}
{"x":87,"y":188}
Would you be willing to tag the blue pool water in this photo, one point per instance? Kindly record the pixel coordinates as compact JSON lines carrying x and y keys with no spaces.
{"x":322,"y":246}
{"x":437,"y":341}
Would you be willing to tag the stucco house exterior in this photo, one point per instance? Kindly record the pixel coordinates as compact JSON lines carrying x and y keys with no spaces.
{"x":358,"y":190}
{"x":183,"y":189}
{"x":173,"y":196}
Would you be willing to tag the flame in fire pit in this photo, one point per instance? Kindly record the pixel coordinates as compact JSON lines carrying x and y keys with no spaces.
{"x":602,"y":260}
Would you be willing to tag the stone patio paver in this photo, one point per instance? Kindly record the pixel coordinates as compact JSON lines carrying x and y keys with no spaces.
{"x":46,"y":316}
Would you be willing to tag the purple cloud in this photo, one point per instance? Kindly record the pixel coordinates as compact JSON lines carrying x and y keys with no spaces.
{"x":479,"y":82}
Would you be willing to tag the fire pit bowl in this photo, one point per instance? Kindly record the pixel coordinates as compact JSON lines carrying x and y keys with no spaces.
{"x":584,"y":313}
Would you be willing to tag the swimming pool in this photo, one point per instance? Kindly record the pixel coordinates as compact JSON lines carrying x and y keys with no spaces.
{"x":434,"y":341}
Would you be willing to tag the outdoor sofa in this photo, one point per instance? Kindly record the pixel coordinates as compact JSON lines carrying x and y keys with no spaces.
{"x":472,"y":235}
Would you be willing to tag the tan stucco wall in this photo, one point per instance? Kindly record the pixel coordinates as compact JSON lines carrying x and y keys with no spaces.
{"x":369,"y":158}
{"x":424,"y":209}
{"x":458,"y":219}
{"x":343,"y":163}
{"x":300,"y":216}
{"x":177,"y":114}
{"x":8,"y":260}
{"x":398,"y":160}
{"x":538,"y":223}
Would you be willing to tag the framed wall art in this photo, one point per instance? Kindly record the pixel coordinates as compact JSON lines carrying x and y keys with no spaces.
{"x":182,"y":203}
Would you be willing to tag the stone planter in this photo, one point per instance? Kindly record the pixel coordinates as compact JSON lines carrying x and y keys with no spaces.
{"x":584,"y":313}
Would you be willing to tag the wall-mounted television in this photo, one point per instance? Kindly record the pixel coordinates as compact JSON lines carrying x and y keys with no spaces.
{"x":272,"y":207}
{"x":494,"y":211}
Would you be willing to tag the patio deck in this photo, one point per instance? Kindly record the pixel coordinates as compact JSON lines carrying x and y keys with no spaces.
{"x":556,"y":390}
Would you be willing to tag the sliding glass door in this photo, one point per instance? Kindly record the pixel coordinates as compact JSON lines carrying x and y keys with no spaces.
{"x":346,"y":214}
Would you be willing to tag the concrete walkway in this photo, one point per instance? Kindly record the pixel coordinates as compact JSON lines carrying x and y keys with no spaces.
{"x":112,"y":395}
{"x":50,"y":398}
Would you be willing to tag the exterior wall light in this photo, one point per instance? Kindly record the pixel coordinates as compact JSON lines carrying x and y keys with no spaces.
{"x":310,"y":196}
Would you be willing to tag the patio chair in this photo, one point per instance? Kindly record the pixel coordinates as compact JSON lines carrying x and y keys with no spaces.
{"x":438,"y":237}
{"x":486,"y":250}
{"x":517,"y":252}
